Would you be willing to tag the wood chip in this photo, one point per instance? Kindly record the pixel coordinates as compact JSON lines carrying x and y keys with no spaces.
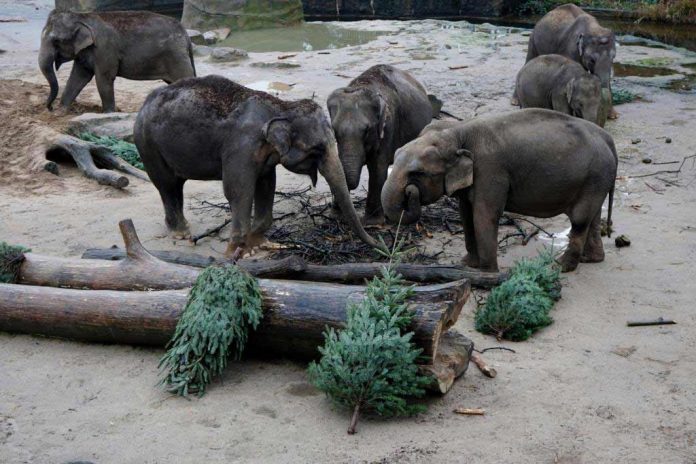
{"x":464,"y":66}
{"x":284,"y":57}
{"x":470,"y":411}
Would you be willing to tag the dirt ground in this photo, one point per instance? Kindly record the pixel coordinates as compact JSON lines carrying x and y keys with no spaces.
{"x":587,"y":389}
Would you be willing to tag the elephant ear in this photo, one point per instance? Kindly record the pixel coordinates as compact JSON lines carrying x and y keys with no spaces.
{"x":569,"y":90}
{"x":83,"y":37}
{"x":277,"y":133}
{"x":461,"y":174}
{"x":580,"y":45}
{"x":382,"y":112}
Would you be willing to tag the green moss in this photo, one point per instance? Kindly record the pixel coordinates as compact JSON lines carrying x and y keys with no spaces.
{"x":620,"y":96}
{"x":11,"y":258}
{"x":224,"y":304}
{"x":657,"y":62}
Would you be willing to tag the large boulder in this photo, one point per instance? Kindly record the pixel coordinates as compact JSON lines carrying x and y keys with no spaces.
{"x":240,"y":14}
{"x":118,"y":125}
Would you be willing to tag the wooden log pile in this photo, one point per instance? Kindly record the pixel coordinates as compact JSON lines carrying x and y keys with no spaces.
{"x":94,"y":300}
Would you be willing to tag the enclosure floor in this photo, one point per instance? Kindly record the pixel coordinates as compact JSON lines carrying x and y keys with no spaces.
{"x":587,"y":389}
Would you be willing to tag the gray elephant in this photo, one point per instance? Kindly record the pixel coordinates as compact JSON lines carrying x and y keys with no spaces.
{"x":211,"y":128}
{"x":567,"y":30}
{"x":379,"y":111}
{"x":535,"y":162}
{"x":559,"y":83}
{"x":130,"y":44}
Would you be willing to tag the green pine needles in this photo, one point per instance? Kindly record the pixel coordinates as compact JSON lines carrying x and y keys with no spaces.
{"x":520,"y":306}
{"x":224,"y":304}
{"x":124,"y":150}
{"x":370,"y":366}
{"x":11,"y":258}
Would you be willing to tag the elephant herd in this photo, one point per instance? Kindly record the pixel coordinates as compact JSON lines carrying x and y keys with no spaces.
{"x":549,"y":158}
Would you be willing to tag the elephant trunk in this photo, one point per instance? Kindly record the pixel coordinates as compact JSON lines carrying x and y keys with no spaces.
{"x":330,"y":168}
{"x":401,"y":204}
{"x":602,"y":69}
{"x":47,"y":58}
{"x":352,"y":158}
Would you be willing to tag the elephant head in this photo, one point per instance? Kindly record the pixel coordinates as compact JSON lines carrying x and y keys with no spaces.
{"x":584,"y":96}
{"x":305,"y":143}
{"x":64,"y":36}
{"x":597,"y":54}
{"x":424,"y":170}
{"x":358,"y":117}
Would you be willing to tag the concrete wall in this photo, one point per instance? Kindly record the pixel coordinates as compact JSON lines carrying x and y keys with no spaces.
{"x":240,"y":14}
{"x":366,"y":9}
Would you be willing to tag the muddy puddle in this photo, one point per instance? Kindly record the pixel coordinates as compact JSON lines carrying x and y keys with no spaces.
{"x":305,"y":37}
{"x":629,"y":70}
{"x":678,"y":82}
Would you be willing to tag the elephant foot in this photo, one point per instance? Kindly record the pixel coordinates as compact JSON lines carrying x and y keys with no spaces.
{"x":568,"y":263}
{"x":471,"y":261}
{"x":180,"y":234}
{"x":377,"y":222}
{"x":514,"y":101}
{"x":613,"y":114}
{"x":592,"y":257}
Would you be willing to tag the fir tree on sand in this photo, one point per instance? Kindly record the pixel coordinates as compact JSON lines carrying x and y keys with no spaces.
{"x":370,"y":366}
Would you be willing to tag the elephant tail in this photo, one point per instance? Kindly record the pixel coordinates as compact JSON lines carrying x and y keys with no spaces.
{"x":609,"y":208}
{"x":190,"y":52}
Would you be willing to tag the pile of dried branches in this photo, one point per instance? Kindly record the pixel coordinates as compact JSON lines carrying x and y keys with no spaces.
{"x":308,"y":226}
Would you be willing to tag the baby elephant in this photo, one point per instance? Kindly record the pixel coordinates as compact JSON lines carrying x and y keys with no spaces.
{"x":561,"y":84}
{"x":211,"y":128}
{"x":379,"y":111}
{"x":133,"y":44}
{"x":534,"y":162}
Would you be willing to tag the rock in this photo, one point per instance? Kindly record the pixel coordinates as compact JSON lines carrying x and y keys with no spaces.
{"x":202,"y":50}
{"x":622,"y":241}
{"x":635,"y":141}
{"x":209,"y":38}
{"x":195,"y":36}
{"x":605,"y":412}
{"x":275,"y":64}
{"x":241,"y":14}
{"x":624,"y":351}
{"x":228,"y":54}
{"x":221,"y":33}
{"x":668,"y":140}
{"x":110,"y":124}
{"x":647,"y":160}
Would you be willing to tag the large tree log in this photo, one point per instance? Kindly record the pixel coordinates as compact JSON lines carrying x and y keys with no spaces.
{"x":138,"y":271}
{"x":295,"y":314}
{"x":341,"y":273}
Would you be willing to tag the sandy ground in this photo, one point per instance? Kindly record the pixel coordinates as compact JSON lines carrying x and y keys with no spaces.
{"x":587,"y":389}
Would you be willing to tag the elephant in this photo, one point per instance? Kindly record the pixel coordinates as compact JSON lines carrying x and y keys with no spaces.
{"x":559,"y":83}
{"x":211,"y":128}
{"x":535,"y":162}
{"x":132,"y":44}
{"x":378,"y":112}
{"x":567,"y":30}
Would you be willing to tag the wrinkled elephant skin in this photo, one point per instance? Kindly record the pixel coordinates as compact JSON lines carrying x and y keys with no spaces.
{"x":534,"y":162}
{"x":214,"y":129}
{"x":378,"y":112}
{"x":131,"y":44}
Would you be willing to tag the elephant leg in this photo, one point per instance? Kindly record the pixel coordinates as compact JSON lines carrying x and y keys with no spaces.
{"x":239,"y":186}
{"x":486,"y":231}
{"x":105,"y":86}
{"x":374,"y":215}
{"x":581,"y":217}
{"x":79,"y":78}
{"x":531,"y":54}
{"x":594,"y":249}
{"x":466,"y":213}
{"x":612,"y":114}
{"x":171,"y":190}
{"x":263,"y":207}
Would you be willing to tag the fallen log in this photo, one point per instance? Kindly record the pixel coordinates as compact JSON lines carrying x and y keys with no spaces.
{"x":86,"y":154}
{"x":296,"y":314}
{"x":138,"y":271}
{"x":341,"y":273}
